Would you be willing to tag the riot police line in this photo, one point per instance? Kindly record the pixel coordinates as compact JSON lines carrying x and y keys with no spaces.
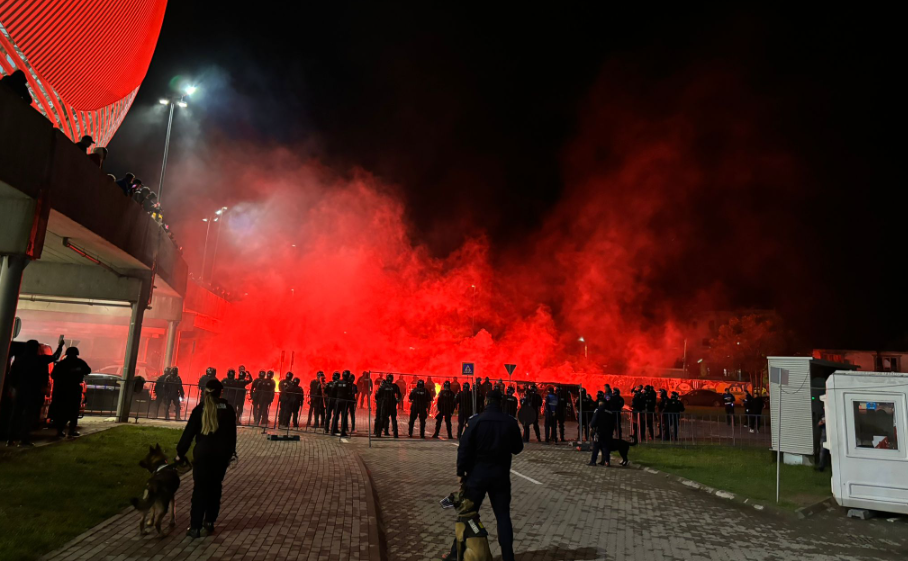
{"x":388,"y":404}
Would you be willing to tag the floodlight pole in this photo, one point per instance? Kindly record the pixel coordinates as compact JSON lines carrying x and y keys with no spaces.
{"x":166,"y":149}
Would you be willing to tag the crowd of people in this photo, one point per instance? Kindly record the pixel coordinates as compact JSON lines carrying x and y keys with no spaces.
{"x":30,"y":379}
{"x":17,"y":82}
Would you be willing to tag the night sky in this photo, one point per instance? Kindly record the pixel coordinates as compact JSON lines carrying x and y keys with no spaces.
{"x":471,"y":116}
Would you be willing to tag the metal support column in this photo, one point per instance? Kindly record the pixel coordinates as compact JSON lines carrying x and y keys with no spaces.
{"x":11,"y":267}
{"x":132,"y":348}
{"x":171,"y":342}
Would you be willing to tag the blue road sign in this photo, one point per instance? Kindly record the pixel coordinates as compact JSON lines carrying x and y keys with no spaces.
{"x":468,"y":369}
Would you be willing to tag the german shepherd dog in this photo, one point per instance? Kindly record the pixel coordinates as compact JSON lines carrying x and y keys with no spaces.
{"x":159,"y":490}
{"x":469,"y":533}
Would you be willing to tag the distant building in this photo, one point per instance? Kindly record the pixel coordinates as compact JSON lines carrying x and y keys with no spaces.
{"x":868,"y":361}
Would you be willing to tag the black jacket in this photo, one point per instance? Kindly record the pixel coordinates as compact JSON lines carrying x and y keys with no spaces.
{"x":487,"y":444}
{"x":220,"y":445}
{"x":446,"y":402}
{"x":68,"y":376}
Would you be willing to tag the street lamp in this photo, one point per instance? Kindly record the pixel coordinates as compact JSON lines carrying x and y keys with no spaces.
{"x":582,"y":340}
{"x":173,"y":102}
{"x":213,"y":217}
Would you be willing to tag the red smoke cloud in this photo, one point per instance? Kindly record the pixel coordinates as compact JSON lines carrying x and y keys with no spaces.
{"x":358,"y":292}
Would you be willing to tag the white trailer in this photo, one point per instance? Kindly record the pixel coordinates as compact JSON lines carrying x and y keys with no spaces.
{"x":866,"y":435}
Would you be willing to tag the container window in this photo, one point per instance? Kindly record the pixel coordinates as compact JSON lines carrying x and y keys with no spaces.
{"x":874,"y":425}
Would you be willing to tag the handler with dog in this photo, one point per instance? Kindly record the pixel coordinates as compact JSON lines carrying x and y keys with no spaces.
{"x":484,"y":466}
{"x":212,"y":425}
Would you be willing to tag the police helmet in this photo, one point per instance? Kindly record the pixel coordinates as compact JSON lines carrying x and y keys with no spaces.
{"x":420,"y":384}
{"x":271,"y":373}
{"x":261,"y":374}
{"x":510,"y":390}
{"x":296,"y":381}
{"x":466,"y":386}
{"x":210,"y":371}
{"x":231,"y":374}
{"x":616,"y":391}
{"x":319,"y":373}
{"x":447,"y":385}
{"x":336,"y":376}
{"x":390,"y":378}
{"x":174,"y":370}
{"x":289,"y":376}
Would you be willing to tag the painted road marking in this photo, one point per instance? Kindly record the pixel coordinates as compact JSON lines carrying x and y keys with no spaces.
{"x":345,"y":441}
{"x":530,"y":479}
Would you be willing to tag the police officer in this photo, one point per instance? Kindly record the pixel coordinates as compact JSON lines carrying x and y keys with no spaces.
{"x":386,"y":406}
{"x":484,"y":388}
{"x":330,"y":401}
{"x":212,"y":425}
{"x":342,"y":394}
{"x":258,"y":386}
{"x":296,"y":402}
{"x":564,"y":399}
{"x":231,"y":389}
{"x":675,"y":408}
{"x":650,"y":400}
{"x":419,"y":407}
{"x":509,"y":403}
{"x":317,"y":400}
{"x":729,"y":401}
{"x":529,"y":413}
{"x":267,"y":396}
{"x":445,"y":408}
{"x":616,"y":406}
{"x":661,"y":414}
{"x":398,"y":400}
{"x":484,"y":464}
{"x":285,"y":400}
{"x":638,"y":409}
{"x":245,"y":378}
{"x":551,"y":415}
{"x":464,"y":399}
{"x":210,"y":374}
{"x":351,"y":405}
{"x":603,"y":423}
{"x":585,"y":409}
{"x":174,"y":393}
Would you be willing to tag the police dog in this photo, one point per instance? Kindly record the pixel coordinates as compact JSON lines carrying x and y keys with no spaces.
{"x":470,"y":535}
{"x":159,"y":490}
{"x":622,"y":447}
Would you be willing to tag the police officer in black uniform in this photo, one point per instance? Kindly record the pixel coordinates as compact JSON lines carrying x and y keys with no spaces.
{"x":729,"y":401}
{"x":661,"y":414}
{"x":231,"y":389}
{"x":445,"y":408}
{"x":509,"y":403}
{"x":258,"y":387}
{"x":351,"y":405}
{"x":650,"y":399}
{"x":317,"y":400}
{"x":464,"y":399}
{"x":330,"y":400}
{"x":244,"y":379}
{"x":342,"y":395}
{"x":285,"y":400}
{"x":564,"y":399}
{"x":675,"y":408}
{"x":638,"y":408}
{"x":484,"y":464}
{"x":603,"y":423}
{"x":386,"y":406}
{"x":296,"y":401}
{"x":529,"y":413}
{"x":616,"y":406}
{"x":419,"y":407}
{"x":210,"y":374}
{"x":268,"y":390}
{"x":585,"y":409}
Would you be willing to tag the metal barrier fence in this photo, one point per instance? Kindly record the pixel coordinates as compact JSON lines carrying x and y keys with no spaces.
{"x":313,"y":411}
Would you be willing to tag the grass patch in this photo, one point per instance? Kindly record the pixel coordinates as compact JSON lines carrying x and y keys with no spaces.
{"x":749,"y":472}
{"x":52,"y":494}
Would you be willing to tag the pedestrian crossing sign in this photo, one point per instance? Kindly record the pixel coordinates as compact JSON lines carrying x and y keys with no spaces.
{"x":468,"y":369}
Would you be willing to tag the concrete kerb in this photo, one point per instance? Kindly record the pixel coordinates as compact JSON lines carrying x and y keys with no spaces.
{"x":377,"y":535}
{"x":726,"y":495}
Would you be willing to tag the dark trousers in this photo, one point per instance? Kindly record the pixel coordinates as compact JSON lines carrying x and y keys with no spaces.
{"x":559,"y":417}
{"x":422,"y":421}
{"x":729,"y":414}
{"x":329,"y":412}
{"x":24,"y":414}
{"x":364,"y":397}
{"x":317,"y":410}
{"x":295,"y":413}
{"x":388,"y":419}
{"x":499,"y":491}
{"x":526,"y":431}
{"x":550,"y":428}
{"x":66,"y":413}
{"x":602,"y":444}
{"x":639,"y":422}
{"x":240,"y":403}
{"x":283,"y":416}
{"x":461,"y":421}
{"x":175,"y":401}
{"x":618,"y":423}
{"x":340,"y":414}
{"x":207,"y":477}
{"x":447,"y":419}
{"x":351,"y":412}
{"x":650,"y":421}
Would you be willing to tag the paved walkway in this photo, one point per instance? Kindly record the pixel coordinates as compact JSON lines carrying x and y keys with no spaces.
{"x":565,"y":510}
{"x":307,"y":500}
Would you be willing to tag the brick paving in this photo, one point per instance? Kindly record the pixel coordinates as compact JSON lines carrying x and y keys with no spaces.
{"x":307,"y":500}
{"x":578,"y":512}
